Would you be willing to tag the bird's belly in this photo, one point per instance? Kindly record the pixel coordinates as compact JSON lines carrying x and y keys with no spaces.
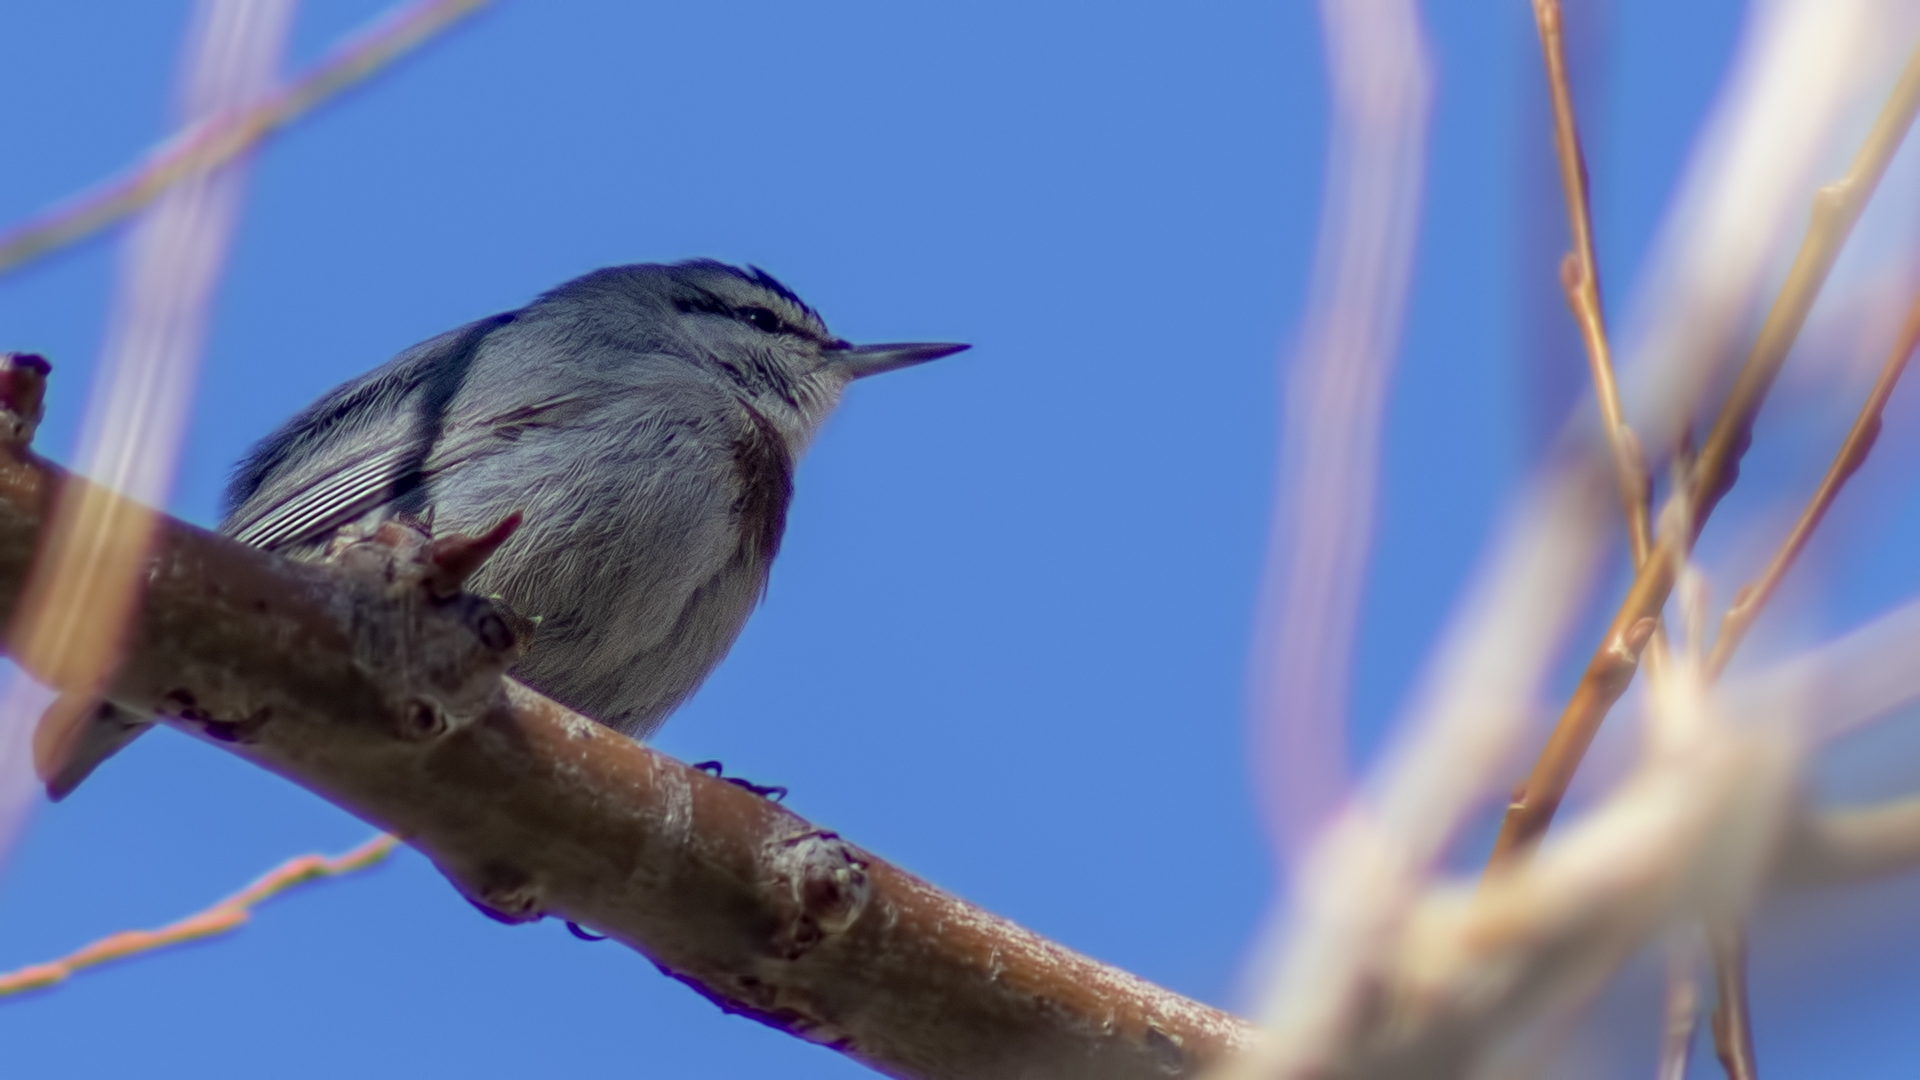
{"x":621,"y":655}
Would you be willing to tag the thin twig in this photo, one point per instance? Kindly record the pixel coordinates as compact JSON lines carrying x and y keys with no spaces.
{"x":1580,"y":277}
{"x":1852,"y":454}
{"x":226,"y":916}
{"x":221,"y":139}
{"x":1837,"y":208}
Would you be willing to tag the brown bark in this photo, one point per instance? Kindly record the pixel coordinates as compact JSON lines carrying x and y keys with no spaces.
{"x":371,"y":683}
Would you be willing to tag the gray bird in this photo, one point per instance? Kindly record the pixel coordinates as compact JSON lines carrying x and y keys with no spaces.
{"x":644,"y":419}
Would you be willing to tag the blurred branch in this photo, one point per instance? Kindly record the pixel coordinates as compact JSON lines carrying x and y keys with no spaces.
{"x":370,"y":682}
{"x":1366,"y":876}
{"x":170,"y":265}
{"x":1841,"y":846}
{"x":220,"y":139}
{"x":1336,"y":392}
{"x":227,"y":915}
{"x":1707,"y":821}
{"x":1689,"y":835}
{"x":1827,"y":691}
{"x":1836,"y":209}
{"x":1388,"y":970}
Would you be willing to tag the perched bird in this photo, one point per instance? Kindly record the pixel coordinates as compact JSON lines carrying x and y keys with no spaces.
{"x":644,"y":420}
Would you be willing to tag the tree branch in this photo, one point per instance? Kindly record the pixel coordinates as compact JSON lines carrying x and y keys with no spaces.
{"x":367,"y":682}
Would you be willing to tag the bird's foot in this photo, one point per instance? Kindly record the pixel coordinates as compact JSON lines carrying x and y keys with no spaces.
{"x":775,"y":792}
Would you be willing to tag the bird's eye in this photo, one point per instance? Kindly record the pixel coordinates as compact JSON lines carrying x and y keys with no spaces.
{"x":762,"y":319}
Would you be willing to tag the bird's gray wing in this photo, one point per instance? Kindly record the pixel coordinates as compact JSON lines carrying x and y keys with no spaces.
{"x":361,"y":447}
{"x":388,"y":473}
{"x":335,"y":500}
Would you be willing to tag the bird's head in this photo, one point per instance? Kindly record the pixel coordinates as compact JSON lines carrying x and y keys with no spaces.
{"x":753,"y":333}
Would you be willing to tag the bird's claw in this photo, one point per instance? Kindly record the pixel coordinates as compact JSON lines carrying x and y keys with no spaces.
{"x":775,"y":792}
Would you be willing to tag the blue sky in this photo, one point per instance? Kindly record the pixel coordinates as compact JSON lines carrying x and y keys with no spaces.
{"x":1005,"y":643}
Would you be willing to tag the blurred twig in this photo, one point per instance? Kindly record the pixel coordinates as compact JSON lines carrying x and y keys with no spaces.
{"x":1842,"y":846}
{"x":221,"y":138}
{"x":1732,"y":1022}
{"x":1682,"y":1011}
{"x":227,"y":915}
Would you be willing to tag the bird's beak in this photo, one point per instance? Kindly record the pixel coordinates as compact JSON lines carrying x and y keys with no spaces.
{"x":859,"y":361}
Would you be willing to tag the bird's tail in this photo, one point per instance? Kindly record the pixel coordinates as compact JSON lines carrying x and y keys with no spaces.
{"x":75,"y":735}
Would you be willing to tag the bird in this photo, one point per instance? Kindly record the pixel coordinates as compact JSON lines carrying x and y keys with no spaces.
{"x":643,"y":420}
